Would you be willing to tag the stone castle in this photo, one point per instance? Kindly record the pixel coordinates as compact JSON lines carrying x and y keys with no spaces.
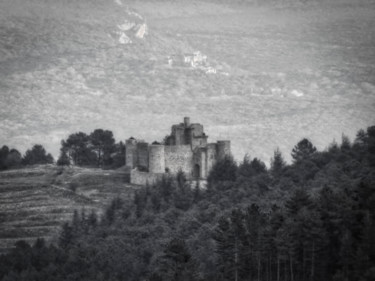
{"x":186,"y":149}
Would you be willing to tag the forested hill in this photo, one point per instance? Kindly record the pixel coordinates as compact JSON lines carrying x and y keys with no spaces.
{"x":311,"y":220}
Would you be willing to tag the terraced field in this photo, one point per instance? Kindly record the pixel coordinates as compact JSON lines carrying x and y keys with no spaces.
{"x":34,"y":202}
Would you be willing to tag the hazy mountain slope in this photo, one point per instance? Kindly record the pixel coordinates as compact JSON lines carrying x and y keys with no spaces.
{"x":35,"y":201}
{"x":282,"y":74}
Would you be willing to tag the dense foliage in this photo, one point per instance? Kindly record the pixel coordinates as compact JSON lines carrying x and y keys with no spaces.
{"x":9,"y":158}
{"x":96,"y":150}
{"x":37,"y":155}
{"x":12,"y":158}
{"x":311,"y":220}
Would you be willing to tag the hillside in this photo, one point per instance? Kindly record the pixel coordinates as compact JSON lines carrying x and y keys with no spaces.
{"x":311,"y":220}
{"x":35,"y":201}
{"x":283,"y":73}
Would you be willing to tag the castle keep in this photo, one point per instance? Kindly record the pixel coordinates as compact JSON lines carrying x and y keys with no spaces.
{"x":186,"y":149}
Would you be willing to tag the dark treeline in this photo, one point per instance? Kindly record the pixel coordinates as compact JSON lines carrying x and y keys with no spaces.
{"x":98,"y":149}
{"x":311,"y":220}
{"x":12,"y":158}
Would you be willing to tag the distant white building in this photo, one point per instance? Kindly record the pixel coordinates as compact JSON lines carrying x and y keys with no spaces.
{"x":211,"y":70}
{"x":170,"y":61}
{"x":198,"y":57}
{"x":188,"y":58}
{"x":195,"y":59}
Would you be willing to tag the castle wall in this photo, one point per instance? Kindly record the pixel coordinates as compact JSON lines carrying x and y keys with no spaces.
{"x":142,"y":154}
{"x":200,"y":141}
{"x":187,"y":150}
{"x":143,"y":178}
{"x":177,"y":157}
{"x":156,"y":158}
{"x":130,"y":153}
{"x":203,"y":165}
{"x":200,"y":160}
{"x":197,"y":129}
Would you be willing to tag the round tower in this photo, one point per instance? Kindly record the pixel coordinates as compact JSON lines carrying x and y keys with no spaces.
{"x":223,"y":149}
{"x":156,"y":159}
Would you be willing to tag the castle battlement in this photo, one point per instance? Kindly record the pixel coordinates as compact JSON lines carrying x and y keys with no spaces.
{"x":186,"y":149}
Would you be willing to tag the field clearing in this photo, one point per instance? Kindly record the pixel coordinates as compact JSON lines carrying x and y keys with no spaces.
{"x":34,"y":202}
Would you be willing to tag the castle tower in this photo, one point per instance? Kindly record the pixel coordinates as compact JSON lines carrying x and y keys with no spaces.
{"x":187,"y":122}
{"x":131,"y":153}
{"x":156,"y":159}
{"x":223,"y":149}
{"x":178,"y":134}
{"x":142,"y":155}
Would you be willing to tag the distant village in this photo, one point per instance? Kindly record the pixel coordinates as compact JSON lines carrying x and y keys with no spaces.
{"x":195,"y":60}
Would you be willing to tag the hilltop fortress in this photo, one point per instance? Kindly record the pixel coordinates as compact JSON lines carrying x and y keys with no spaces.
{"x":186,"y":149}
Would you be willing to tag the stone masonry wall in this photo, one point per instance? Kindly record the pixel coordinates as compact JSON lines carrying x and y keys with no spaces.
{"x":177,"y":157}
{"x":142,"y":178}
{"x":156,"y":162}
{"x":142,"y":154}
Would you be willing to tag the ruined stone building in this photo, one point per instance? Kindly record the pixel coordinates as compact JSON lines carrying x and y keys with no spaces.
{"x":186,"y":149}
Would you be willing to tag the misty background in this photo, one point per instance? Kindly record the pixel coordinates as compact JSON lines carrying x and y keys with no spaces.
{"x":284,"y":70}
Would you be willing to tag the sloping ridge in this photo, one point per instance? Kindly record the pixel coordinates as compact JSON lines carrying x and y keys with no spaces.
{"x":35,"y":201}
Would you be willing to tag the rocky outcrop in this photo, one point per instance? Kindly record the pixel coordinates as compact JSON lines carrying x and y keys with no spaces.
{"x":132,"y":28}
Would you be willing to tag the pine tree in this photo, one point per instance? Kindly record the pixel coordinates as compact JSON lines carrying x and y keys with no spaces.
{"x":37,"y":155}
{"x":223,"y":239}
{"x":299,"y":209}
{"x":345,"y":143}
{"x":223,"y":170}
{"x":4,"y":151}
{"x":66,"y":236}
{"x":371,"y":145}
{"x":177,"y":263}
{"x":251,"y":168}
{"x":103,"y":143}
{"x":278,"y":164}
{"x":245,"y":169}
{"x":63,"y":158}
{"x":92,"y":219}
{"x":254,"y":223}
{"x":303,"y":150}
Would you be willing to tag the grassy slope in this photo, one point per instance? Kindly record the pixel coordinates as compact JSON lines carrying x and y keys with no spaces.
{"x":35,"y":201}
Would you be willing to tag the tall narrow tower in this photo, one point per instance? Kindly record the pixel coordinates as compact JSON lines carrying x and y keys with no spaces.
{"x":131,"y":153}
{"x":187,"y":121}
{"x":223,"y":149}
